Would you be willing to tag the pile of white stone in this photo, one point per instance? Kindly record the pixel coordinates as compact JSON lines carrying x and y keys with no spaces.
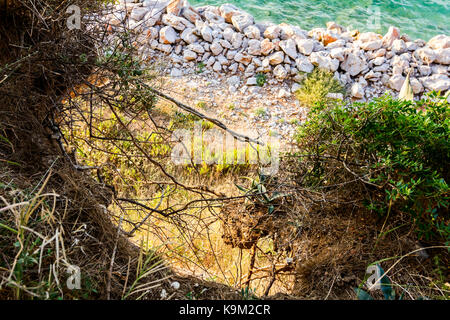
{"x":226,"y":39}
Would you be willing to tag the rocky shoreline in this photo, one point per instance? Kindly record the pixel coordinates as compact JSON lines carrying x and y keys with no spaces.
{"x":226,"y":42}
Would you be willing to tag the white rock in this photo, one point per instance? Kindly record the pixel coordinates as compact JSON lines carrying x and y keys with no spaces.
{"x":252,"y":32}
{"x":254,"y":47}
{"x":174,"y":7}
{"x":152,"y":17}
{"x":160,"y":4}
{"x":242,"y":20}
{"x":234,"y":81}
{"x":234,"y":67}
{"x":276,"y":58}
{"x":138,"y":13}
{"x":236,"y":40}
{"x":362,"y":81}
{"x":424,"y":70}
{"x":228,"y":34}
{"x":439,"y":42}
{"x":166,"y":48}
{"x":267,"y":47}
{"x":243,"y":58}
{"x":206,"y":33}
{"x":188,"y":36}
{"x":225,"y":44}
{"x":411,"y":46}
{"x":223,"y":61}
{"x":190,"y":14}
{"x":216,"y":48}
{"x":416,"y":86}
{"x":217,"y":66}
{"x":321,"y":60}
{"x":443,"y":56}
{"x":251,"y":81}
{"x":396,"y":82}
{"x":257,"y":62}
{"x":272,"y":32}
{"x":353,"y":64}
{"x":379,"y":61}
{"x":303,"y":64}
{"x":337,"y":96}
{"x":290,"y":31}
{"x":175,"y":22}
{"x":392,"y":35}
{"x":378,"y":54}
{"x":280,"y":72}
{"x":175,"y":285}
{"x":196,"y":47}
{"x":397,"y":70}
{"x":152,"y":33}
{"x":231,"y":54}
{"x":154,"y":44}
{"x":371,"y":45}
{"x":426,"y":54}
{"x":213,"y":18}
{"x":383,"y":68}
{"x":399,"y":63}
{"x":372,"y":75}
{"x":439,"y":69}
{"x":283,"y":93}
{"x":437,"y":82}
{"x":336,"y":44}
{"x":305,"y":46}
{"x":289,"y":47}
{"x":399,"y":46}
{"x":295,"y":87}
{"x":176,"y":73}
{"x":189,"y":55}
{"x":357,"y":91}
{"x":227,"y":11}
{"x":338,"y":53}
{"x":167,"y":35}
{"x":210,"y":62}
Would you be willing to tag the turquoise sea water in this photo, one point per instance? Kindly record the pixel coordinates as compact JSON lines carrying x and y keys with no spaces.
{"x":420,"y":19}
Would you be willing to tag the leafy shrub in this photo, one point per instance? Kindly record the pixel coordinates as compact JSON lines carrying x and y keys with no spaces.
{"x":200,"y":67}
{"x":260,"y":112}
{"x":398,"y":150}
{"x":261,"y":79}
{"x":317,"y":85}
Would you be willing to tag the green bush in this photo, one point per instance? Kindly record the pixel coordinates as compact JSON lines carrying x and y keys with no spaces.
{"x":261,"y":79}
{"x":316,"y":86}
{"x":398,"y":150}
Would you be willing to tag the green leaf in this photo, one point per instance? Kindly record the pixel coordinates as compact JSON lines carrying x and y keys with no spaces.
{"x":386,"y":286}
{"x":241,"y":188}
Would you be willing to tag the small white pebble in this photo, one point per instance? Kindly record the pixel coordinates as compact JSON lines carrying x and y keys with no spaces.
{"x":163,"y":294}
{"x":289,"y":260}
{"x":175,"y":285}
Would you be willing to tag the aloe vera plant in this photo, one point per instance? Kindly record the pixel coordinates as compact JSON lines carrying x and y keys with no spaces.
{"x":259,"y":190}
